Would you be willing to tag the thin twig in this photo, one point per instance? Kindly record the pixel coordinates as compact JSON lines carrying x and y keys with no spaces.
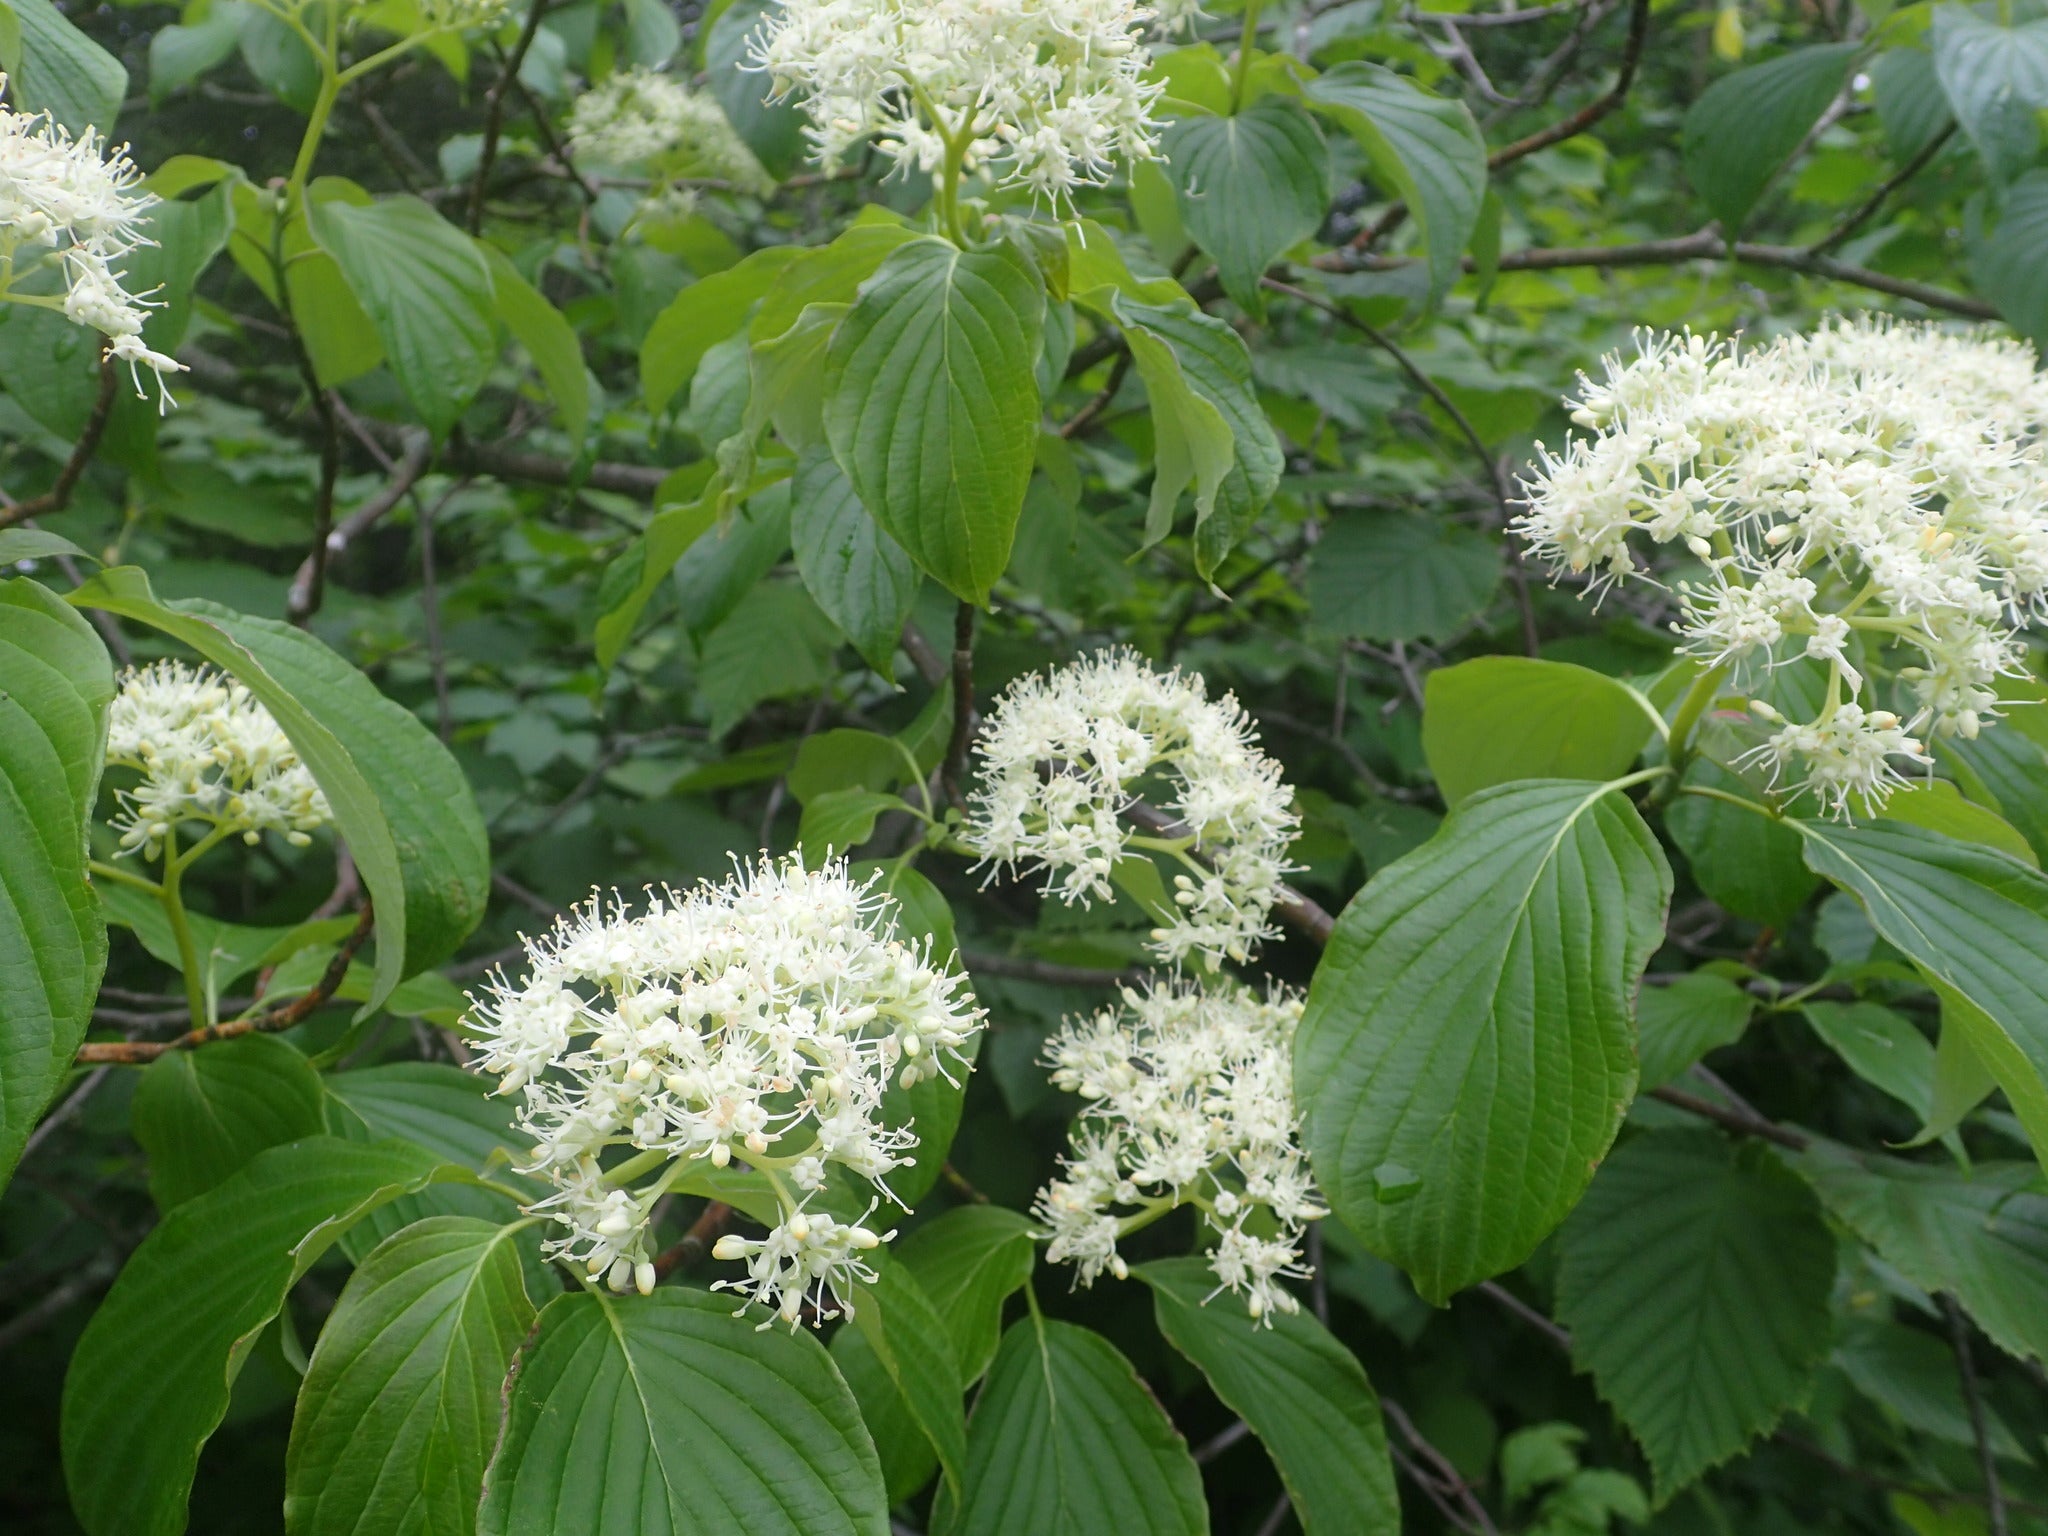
{"x":58,"y":496}
{"x":1866,"y":210}
{"x":1085,"y":417}
{"x":494,"y":111}
{"x":1987,"y":1461}
{"x":304,"y":599}
{"x":954,"y":773}
{"x":689,"y":1250}
{"x":961,"y":1185}
{"x":1221,"y":1441}
{"x":1742,"y":1122}
{"x":67,"y":1109}
{"x":1556,"y":1333}
{"x":1023,"y":968}
{"x":137,"y":1052}
{"x":1450,"y":1481}
{"x":81,"y":1284}
{"x":430,"y":614}
{"x":1273,"y":1522}
{"x":309,"y":588}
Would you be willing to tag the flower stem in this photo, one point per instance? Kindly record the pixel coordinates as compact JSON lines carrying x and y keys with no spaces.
{"x":173,"y":902}
{"x":1683,"y":724}
{"x":1247,"y":40}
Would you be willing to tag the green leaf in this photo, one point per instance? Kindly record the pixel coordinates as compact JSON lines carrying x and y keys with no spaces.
{"x":1695,"y":1278}
{"x":729,"y":561}
{"x":1249,"y":187}
{"x":1470,"y":1027}
{"x":427,"y":290}
{"x":1913,"y":1373}
{"x":227,"y":951}
{"x":2006,"y":771}
{"x":1204,"y":372}
{"x":708,"y":311}
{"x":1427,"y":149}
{"x":399,"y":1411}
{"x":1681,"y":1022}
{"x":773,"y":130}
{"x":55,"y":685}
{"x":64,"y":72}
{"x":549,"y":340}
{"x":200,"y":1116}
{"x":1395,"y":576}
{"x":1745,"y":125}
{"x":932,"y":407}
{"x":859,"y":575}
{"x":149,"y":1380}
{"x":1938,"y":806}
{"x":1980,"y":1235}
{"x":775,"y":644}
{"x":666,"y":1415}
{"x":1303,"y":1394}
{"x":1067,"y":1441}
{"x":971,"y":1260}
{"x":840,"y":820}
{"x":1996,"y":79}
{"x":187,"y":234}
{"x":1882,"y":1047}
{"x":1750,"y":862}
{"x":907,"y":1336}
{"x":631,"y":581}
{"x":18,"y":544}
{"x":1911,"y":105}
{"x":444,"y":1111}
{"x":399,"y":799}
{"x":2002,"y":264}
{"x":1976,"y":924}
{"x":1496,"y":719}
{"x":179,"y":55}
{"x":844,"y":759}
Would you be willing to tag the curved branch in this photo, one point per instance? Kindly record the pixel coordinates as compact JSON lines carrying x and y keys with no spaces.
{"x":58,"y":496}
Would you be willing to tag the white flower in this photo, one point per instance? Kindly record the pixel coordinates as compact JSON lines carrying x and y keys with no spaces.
{"x":1867,"y":489}
{"x":1064,"y":756}
{"x":1047,"y":93}
{"x":208,"y":752}
{"x":642,"y":114}
{"x":761,"y":1019}
{"x":1190,"y":1100}
{"x":71,"y":208}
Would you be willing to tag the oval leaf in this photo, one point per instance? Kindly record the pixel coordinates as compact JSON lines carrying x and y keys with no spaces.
{"x":1500,"y":718}
{"x":1468,"y":1048}
{"x":1249,"y":186}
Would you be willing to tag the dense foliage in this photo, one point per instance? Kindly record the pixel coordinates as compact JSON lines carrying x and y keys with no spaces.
{"x":814,"y":766}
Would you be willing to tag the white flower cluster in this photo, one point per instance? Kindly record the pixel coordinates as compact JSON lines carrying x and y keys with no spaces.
{"x":72,"y":205}
{"x":208,"y":752}
{"x":1063,"y":758}
{"x":1190,"y":1100}
{"x":1049,"y":94}
{"x":761,"y":1019}
{"x":1868,"y":489}
{"x":641,"y":114}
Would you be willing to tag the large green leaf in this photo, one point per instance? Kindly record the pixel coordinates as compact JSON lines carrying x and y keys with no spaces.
{"x":1249,"y":186}
{"x":858,"y":574}
{"x":1882,"y":1047}
{"x":1980,"y":1235}
{"x":1996,"y":80}
{"x":932,"y":405}
{"x":2002,"y":264}
{"x":2006,"y":770}
{"x":970,"y":1261}
{"x":1747,"y":860}
{"x":149,"y":1381}
{"x":1066,"y":1441}
{"x":64,"y":72}
{"x":1680,"y":1022}
{"x":55,"y":685}
{"x":1468,"y":1049}
{"x":427,"y":290}
{"x":908,"y":1338}
{"x":705,"y":313}
{"x":666,"y":1415}
{"x":202,"y":1115}
{"x":550,"y":340}
{"x":1975,"y":922}
{"x":775,"y":643}
{"x":399,"y":799}
{"x":1426,"y":148}
{"x":1745,"y":125}
{"x":1499,"y":718}
{"x":1303,"y":1394}
{"x":1202,"y":375}
{"x":399,"y":1410}
{"x":1695,"y":1277}
{"x":1394,"y":576}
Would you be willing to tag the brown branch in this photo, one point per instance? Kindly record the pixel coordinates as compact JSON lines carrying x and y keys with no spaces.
{"x":1565,"y":128}
{"x":1704,"y":245}
{"x":1449,"y":1481}
{"x":307,"y":595}
{"x":953,"y":775}
{"x":1024,"y":968}
{"x":931,"y":666}
{"x":304,"y":598}
{"x":1087,"y":415}
{"x":689,"y":1250}
{"x":1867,"y":209}
{"x":1987,"y":1460}
{"x":1299,"y":912}
{"x":1741,"y":1121}
{"x":58,"y":496}
{"x":284,"y":1016}
{"x":494,"y":110}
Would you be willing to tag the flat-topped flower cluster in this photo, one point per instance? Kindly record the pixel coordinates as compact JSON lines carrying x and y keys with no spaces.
{"x":761,"y":1020}
{"x":1049,"y":94}
{"x":209,"y":753}
{"x":76,"y":208}
{"x":1188,"y":1099}
{"x":1867,"y":489}
{"x":640,"y":114}
{"x":1062,"y":759}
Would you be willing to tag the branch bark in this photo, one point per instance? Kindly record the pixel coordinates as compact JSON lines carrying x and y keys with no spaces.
{"x":58,"y":496}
